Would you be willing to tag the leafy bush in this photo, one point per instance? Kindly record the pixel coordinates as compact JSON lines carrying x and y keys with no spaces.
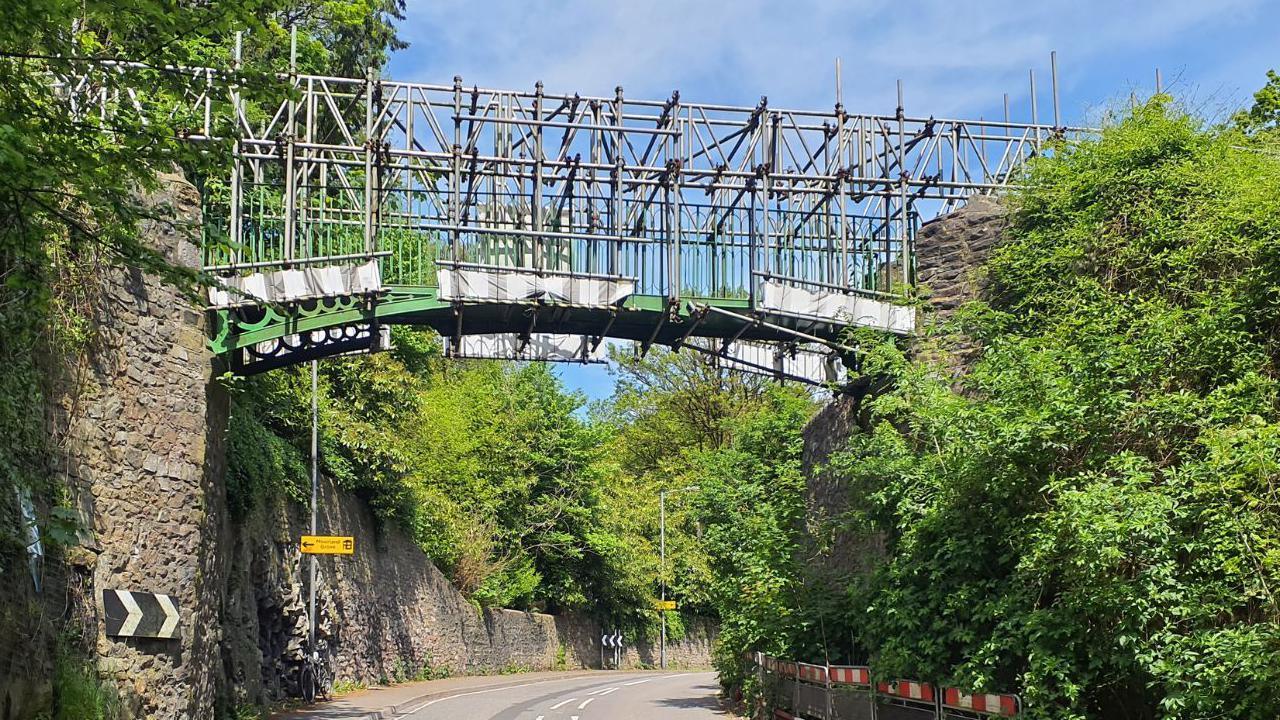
{"x":1090,"y":518}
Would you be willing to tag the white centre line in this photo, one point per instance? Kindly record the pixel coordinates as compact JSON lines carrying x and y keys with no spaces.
{"x":563,"y":702}
{"x":637,"y":682}
{"x":585,"y":703}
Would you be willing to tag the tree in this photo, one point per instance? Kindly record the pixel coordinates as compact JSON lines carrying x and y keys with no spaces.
{"x":1090,"y":519}
{"x":679,"y":422}
{"x":1265,"y":112}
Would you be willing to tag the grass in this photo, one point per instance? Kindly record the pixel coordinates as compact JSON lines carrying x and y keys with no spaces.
{"x":346,"y":687}
{"x":78,"y":693}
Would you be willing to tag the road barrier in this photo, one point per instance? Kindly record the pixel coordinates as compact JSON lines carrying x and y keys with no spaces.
{"x":804,"y":691}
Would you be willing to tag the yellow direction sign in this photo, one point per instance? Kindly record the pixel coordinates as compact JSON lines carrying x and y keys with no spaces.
{"x":328,"y":545}
{"x":666,"y":604}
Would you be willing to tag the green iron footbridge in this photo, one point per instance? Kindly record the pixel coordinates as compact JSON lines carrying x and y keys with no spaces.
{"x":527,"y":224}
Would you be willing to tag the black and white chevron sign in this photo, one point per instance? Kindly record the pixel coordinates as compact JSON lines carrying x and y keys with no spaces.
{"x":140,"y":614}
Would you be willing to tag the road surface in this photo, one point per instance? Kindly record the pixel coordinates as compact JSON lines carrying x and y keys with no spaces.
{"x":615,"y":696}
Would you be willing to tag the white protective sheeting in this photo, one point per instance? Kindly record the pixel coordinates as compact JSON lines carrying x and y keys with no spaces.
{"x":816,"y":366}
{"x":503,"y":285}
{"x":541,"y":346}
{"x":304,"y":284}
{"x":838,"y":307}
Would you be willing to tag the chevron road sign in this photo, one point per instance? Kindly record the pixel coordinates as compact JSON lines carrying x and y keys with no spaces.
{"x":140,"y":614}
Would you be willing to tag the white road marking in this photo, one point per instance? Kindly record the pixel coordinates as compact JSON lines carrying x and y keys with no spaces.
{"x":563,"y":702}
{"x":637,"y":682}
{"x":585,"y":703}
{"x":429,"y":703}
{"x":604,"y":691}
{"x":538,"y":718}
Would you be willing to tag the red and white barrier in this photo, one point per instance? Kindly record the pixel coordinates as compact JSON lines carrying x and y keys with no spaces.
{"x":850,"y":675}
{"x":813,"y":673}
{"x":985,"y":703}
{"x":1000,"y":705}
{"x":907,"y":690}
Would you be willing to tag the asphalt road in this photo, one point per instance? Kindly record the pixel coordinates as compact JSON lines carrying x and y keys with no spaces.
{"x":618,"y":696}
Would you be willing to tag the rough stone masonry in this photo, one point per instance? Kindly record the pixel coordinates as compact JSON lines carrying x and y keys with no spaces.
{"x":140,"y":448}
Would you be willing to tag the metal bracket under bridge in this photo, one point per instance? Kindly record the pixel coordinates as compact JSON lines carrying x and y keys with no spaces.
{"x":526,"y":224}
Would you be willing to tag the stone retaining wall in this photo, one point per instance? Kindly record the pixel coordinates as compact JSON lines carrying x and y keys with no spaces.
{"x":386,"y":611}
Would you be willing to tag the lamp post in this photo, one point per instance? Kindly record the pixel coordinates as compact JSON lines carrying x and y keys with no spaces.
{"x":662,"y":567}
{"x":315,"y":496}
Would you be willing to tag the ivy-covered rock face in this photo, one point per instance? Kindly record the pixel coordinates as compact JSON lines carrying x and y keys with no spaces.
{"x":1089,"y":517}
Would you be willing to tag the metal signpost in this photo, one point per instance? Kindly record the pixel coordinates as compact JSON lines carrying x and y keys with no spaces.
{"x":663,"y":606}
{"x":611,"y":640}
{"x":315,"y":494}
{"x":662,"y":571}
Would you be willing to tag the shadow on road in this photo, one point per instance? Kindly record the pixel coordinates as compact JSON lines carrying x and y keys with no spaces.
{"x":707,"y":698}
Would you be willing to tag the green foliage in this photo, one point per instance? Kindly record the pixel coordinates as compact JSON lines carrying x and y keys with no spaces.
{"x":262,"y":464}
{"x":251,"y":712}
{"x":752,"y":506}
{"x":562,"y":658}
{"x":78,"y":693}
{"x":343,"y":686}
{"x":1264,"y":114}
{"x":1088,"y":517}
{"x":487,"y":465}
{"x":727,"y":448}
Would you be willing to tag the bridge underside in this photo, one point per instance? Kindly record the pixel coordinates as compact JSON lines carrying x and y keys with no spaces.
{"x":260,"y":337}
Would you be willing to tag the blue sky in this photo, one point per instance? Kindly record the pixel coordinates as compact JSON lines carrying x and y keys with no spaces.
{"x":955,"y":59}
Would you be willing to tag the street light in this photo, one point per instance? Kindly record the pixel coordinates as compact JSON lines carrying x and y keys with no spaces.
{"x":662,"y":566}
